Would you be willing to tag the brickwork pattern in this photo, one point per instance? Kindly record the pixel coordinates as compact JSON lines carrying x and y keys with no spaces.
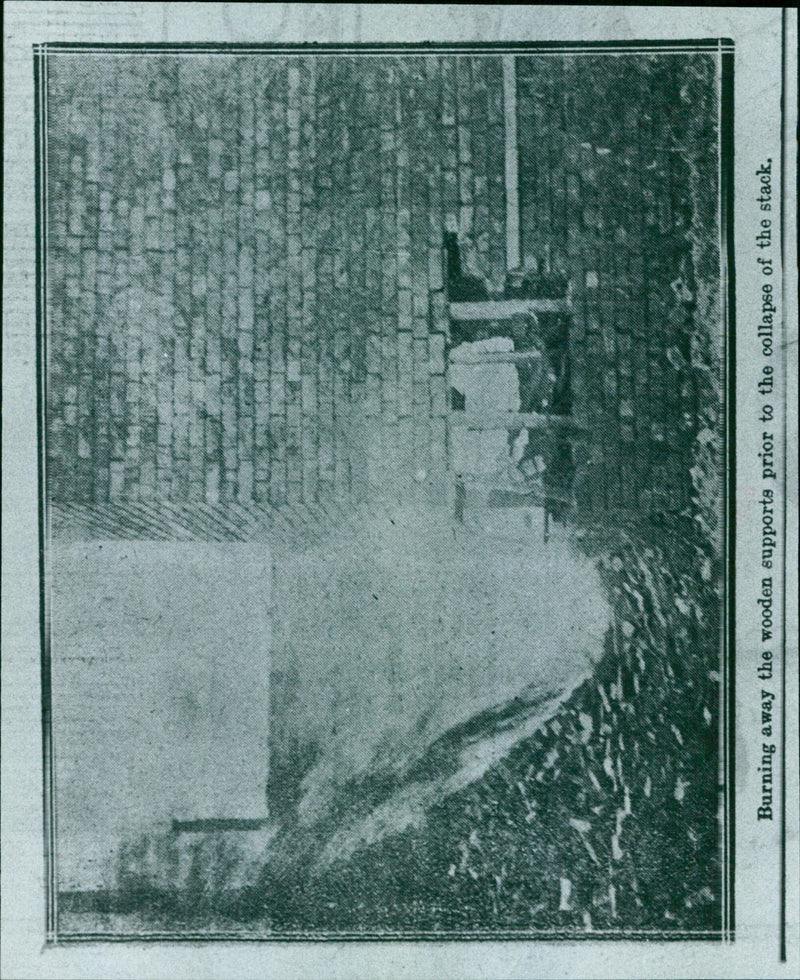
{"x":246,"y":296}
{"x":610,"y":157}
{"x":245,"y":258}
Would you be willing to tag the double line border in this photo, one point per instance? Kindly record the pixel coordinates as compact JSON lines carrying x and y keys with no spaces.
{"x":724,"y":49}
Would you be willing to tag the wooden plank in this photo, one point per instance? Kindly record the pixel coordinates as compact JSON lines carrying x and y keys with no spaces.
{"x":535,"y":495}
{"x":505,"y":309}
{"x":494,"y":357}
{"x":513,"y":420}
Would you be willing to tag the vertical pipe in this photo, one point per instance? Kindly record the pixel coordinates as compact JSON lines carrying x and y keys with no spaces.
{"x":460,"y":499}
{"x":512,"y":161}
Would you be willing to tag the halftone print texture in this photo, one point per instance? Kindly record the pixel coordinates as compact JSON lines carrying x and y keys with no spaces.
{"x":385,"y":492}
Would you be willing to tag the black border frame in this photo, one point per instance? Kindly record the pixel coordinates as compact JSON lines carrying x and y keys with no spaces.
{"x":724,"y":47}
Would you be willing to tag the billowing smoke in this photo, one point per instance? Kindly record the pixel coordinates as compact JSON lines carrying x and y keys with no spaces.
{"x":390,"y":634}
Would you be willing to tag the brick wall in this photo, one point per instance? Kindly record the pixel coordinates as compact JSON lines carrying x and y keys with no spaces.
{"x":245,"y":268}
{"x":618,"y":184}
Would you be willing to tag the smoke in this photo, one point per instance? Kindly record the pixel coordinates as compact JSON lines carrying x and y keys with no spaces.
{"x":389,"y":635}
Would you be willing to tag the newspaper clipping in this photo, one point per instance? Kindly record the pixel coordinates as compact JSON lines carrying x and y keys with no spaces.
{"x":399,"y":491}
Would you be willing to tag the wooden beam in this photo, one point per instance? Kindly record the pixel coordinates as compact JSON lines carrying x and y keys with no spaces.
{"x":505,"y":309}
{"x":513,"y":420}
{"x":494,"y":357}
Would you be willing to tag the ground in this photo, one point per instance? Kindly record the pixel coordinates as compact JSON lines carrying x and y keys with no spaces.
{"x":600,"y":815}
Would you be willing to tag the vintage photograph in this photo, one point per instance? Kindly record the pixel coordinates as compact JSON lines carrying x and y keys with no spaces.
{"x":385,"y":447}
